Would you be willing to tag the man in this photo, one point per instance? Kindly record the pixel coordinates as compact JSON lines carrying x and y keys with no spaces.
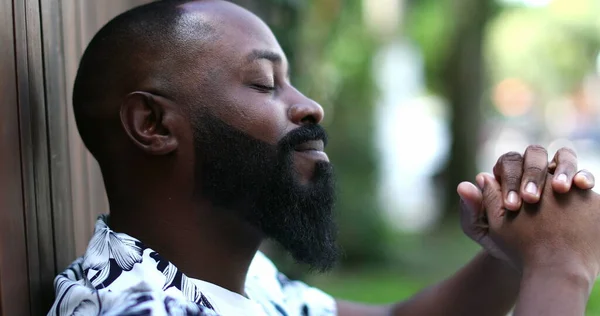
{"x":206,"y":149}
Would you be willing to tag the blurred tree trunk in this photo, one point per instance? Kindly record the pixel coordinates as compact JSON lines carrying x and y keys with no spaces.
{"x":463,"y":81}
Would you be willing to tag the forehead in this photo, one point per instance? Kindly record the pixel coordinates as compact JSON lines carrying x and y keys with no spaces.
{"x":237,"y":32}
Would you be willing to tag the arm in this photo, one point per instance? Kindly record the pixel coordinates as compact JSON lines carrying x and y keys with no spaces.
{"x":552,"y":292}
{"x":488,"y":286}
{"x":485,"y":286}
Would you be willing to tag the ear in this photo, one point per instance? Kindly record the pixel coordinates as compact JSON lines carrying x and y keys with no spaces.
{"x":147,"y":119}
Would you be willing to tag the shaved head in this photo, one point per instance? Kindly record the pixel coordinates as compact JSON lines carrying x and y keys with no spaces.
{"x":134,"y":51}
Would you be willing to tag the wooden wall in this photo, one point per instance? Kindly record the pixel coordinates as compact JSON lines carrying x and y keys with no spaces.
{"x":51,"y":189}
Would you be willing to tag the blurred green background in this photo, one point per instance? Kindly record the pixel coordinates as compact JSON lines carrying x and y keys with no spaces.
{"x":420,"y":95}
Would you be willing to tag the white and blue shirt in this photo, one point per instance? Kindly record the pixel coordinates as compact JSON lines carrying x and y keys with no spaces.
{"x":119,"y":276}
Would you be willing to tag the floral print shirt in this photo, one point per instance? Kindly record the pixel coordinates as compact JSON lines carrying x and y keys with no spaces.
{"x":119,"y":276}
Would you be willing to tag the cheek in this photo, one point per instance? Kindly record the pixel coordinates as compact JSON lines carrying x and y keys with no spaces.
{"x":260,"y":116}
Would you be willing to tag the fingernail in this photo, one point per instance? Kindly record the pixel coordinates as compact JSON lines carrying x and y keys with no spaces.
{"x":480,"y":181}
{"x":512,"y":197}
{"x":562,"y":178}
{"x":586,"y":179}
{"x":531,"y":188}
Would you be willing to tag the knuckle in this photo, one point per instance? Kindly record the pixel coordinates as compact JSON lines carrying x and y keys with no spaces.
{"x":533,"y":169}
{"x":567,"y":166}
{"x":537,"y":149}
{"x":566,"y":152}
{"x":512,"y":156}
{"x":492,"y":200}
{"x":512,"y":165}
{"x":512,"y":180}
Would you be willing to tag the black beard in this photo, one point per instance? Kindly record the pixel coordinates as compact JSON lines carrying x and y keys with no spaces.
{"x":257,"y":180}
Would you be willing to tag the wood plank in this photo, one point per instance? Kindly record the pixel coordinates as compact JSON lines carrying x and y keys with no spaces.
{"x":55,"y":91}
{"x":74,"y":40}
{"x":14,"y":286}
{"x":35,"y":157}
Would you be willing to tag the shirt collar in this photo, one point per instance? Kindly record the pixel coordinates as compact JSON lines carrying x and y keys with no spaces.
{"x":114,"y":259}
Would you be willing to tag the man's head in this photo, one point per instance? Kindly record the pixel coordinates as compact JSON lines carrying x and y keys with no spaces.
{"x":199,"y":92}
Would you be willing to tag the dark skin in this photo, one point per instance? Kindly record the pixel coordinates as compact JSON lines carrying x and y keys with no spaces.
{"x":555,"y":242}
{"x":491,"y":282}
{"x":242,"y":77}
{"x":159,"y":138}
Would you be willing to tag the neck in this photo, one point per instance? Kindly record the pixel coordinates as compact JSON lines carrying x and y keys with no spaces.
{"x":206,"y":244}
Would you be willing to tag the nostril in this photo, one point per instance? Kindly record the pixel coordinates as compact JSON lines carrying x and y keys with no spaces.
{"x":309,"y":119}
{"x":305,"y":112}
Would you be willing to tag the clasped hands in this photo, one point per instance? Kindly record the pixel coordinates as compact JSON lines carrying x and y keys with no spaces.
{"x":539,"y":217}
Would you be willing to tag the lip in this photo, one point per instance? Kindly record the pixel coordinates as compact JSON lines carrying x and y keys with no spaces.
{"x":316,"y":145}
{"x":313,"y":155}
{"x":313,"y":149}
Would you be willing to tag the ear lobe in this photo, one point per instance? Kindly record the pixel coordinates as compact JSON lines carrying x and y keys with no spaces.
{"x":143,"y":117}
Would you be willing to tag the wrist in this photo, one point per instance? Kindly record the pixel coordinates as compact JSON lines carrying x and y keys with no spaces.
{"x":569,"y":275}
{"x":505,"y":266}
{"x":566,"y":264}
{"x":554,"y":290}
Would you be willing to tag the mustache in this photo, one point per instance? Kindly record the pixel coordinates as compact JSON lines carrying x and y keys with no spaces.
{"x":303,"y":134}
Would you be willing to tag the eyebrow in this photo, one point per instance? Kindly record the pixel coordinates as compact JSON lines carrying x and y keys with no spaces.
{"x":268,"y":55}
{"x":264,"y":54}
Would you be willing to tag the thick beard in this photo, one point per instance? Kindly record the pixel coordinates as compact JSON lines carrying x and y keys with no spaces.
{"x":258,"y":181}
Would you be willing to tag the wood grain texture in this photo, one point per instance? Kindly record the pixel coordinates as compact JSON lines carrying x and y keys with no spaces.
{"x":51,"y":188}
{"x":14,"y":287}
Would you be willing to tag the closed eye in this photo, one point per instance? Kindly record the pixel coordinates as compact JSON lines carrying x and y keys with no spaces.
{"x":263,"y":88}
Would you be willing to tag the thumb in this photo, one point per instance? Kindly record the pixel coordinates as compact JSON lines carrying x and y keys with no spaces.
{"x":492,"y":200}
{"x":471,"y":196}
{"x":471,"y":211}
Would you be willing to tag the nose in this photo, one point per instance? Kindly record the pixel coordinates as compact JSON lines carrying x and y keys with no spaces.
{"x":305,"y":111}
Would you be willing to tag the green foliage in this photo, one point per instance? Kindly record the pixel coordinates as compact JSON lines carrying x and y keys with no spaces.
{"x":371,"y":288}
{"x":384,"y":287}
{"x":416,"y":266}
{"x":550,"y":53}
{"x":593,"y":307}
{"x":431,"y":27}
